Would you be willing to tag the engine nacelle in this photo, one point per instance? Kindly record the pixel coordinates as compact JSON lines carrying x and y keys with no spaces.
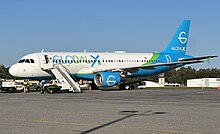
{"x":107,"y":79}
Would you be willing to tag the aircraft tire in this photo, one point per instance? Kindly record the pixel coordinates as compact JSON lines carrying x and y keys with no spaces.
{"x":127,"y":86}
{"x":94,"y":86}
{"x":124,"y":86}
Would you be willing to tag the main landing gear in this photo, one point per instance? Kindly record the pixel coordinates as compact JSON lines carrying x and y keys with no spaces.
{"x":93,"y":86}
{"x":126,"y":86}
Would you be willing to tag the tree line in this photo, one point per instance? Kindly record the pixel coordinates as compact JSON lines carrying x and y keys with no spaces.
{"x":4,"y":74}
{"x":179,"y":75}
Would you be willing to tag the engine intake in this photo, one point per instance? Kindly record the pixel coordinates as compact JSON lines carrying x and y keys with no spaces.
{"x":107,"y":79}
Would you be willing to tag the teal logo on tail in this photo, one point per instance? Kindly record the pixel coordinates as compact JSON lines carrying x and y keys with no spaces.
{"x":178,"y":44}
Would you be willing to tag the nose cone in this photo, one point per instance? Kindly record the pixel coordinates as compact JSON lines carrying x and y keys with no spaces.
{"x":13,"y":70}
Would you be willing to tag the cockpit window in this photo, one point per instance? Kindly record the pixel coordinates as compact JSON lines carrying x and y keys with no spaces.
{"x":21,"y":61}
{"x":32,"y":61}
{"x":26,"y":61}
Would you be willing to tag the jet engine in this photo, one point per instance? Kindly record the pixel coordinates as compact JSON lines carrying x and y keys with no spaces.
{"x":107,"y":79}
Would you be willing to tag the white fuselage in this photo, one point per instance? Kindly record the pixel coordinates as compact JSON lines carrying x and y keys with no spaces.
{"x":78,"y":62}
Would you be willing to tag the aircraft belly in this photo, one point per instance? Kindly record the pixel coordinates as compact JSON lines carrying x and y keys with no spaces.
{"x":84,"y":76}
{"x":145,"y":72}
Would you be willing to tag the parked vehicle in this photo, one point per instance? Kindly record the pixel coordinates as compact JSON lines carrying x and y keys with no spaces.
{"x":145,"y":84}
{"x":51,"y":87}
{"x":8,"y":86}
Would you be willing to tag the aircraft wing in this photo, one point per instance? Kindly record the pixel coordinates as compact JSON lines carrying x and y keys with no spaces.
{"x":152,"y":66}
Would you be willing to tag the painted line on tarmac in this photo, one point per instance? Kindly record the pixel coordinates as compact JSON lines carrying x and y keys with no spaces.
{"x":168,"y":102}
{"x":44,"y":120}
{"x":190,"y":103}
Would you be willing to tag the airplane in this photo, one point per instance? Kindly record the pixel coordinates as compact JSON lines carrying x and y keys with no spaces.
{"x":106,"y":69}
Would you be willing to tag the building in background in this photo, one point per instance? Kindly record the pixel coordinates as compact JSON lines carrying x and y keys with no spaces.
{"x":204,"y":82}
{"x":161,"y":79}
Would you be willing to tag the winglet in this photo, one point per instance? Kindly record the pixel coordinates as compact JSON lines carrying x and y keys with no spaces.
{"x":202,"y":59}
{"x":208,"y":59}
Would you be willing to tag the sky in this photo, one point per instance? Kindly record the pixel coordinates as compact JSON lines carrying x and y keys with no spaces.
{"x":28,"y":26}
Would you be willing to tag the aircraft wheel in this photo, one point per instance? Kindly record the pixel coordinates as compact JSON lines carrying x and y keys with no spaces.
{"x":121,"y":86}
{"x":94,"y":86}
{"x":127,"y":86}
{"x":124,"y":86}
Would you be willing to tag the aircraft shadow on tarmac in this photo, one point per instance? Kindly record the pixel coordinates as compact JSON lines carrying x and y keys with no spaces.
{"x":127,"y":114}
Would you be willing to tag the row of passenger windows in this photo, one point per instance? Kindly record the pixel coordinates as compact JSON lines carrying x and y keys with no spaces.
{"x":104,"y":61}
{"x":90,"y":61}
{"x":26,"y":61}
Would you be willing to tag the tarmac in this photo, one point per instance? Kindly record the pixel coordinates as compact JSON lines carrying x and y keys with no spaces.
{"x":151,"y":111}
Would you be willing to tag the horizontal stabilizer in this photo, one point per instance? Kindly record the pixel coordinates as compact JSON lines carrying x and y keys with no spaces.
{"x":199,"y":58}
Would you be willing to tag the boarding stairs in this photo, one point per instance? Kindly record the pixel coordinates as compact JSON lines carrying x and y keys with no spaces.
{"x":62,"y":74}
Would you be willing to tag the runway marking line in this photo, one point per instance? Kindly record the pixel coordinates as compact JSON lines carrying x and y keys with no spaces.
{"x":44,"y":120}
{"x":188,"y":103}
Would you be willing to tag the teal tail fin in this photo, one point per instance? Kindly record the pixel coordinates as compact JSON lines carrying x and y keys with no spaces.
{"x":178,"y":44}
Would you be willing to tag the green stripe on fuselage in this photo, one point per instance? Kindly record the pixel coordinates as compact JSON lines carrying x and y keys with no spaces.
{"x":152,"y":59}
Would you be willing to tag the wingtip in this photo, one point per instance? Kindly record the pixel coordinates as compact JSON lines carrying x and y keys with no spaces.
{"x":214,"y":56}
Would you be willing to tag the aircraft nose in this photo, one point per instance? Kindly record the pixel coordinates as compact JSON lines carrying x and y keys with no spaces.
{"x":12,"y":70}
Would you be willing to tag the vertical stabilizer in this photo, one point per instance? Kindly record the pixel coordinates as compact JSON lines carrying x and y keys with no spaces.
{"x":178,"y":44}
